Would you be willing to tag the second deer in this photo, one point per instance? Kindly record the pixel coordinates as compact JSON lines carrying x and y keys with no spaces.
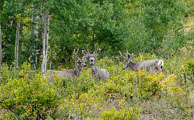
{"x":80,"y":63}
{"x":148,"y":65}
{"x":96,"y":72}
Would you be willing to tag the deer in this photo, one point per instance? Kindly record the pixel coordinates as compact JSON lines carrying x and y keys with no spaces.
{"x":80,"y":63}
{"x":96,"y":72}
{"x":148,"y":65}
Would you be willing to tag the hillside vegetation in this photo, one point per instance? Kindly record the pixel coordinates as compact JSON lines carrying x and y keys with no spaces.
{"x":39,"y":36}
{"x":125,"y":95}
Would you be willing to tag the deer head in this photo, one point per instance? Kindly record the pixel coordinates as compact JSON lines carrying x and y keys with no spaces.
{"x":91,"y":57}
{"x":80,"y":62}
{"x":128,"y":59}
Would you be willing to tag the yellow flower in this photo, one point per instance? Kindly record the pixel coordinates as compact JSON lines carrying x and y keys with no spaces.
{"x":21,"y":72}
{"x":141,"y":72}
{"x":15,"y":91}
{"x":120,"y":103}
{"x":161,"y":75}
{"x":72,"y":101}
{"x":170,"y":77}
{"x":18,"y":15}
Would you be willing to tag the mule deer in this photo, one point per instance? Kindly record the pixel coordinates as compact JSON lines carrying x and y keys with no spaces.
{"x":80,"y":63}
{"x":96,"y":72}
{"x":148,"y":65}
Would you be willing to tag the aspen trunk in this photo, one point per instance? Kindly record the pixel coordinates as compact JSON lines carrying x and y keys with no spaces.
{"x":0,"y":49}
{"x":35,"y":39}
{"x":17,"y":42}
{"x":47,"y":35}
{"x":45,"y":40}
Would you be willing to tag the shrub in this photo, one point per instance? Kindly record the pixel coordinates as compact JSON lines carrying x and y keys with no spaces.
{"x":131,"y":113}
{"x":29,"y":96}
{"x":186,"y":72}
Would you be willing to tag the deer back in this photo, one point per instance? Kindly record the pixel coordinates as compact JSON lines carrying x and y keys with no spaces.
{"x":155,"y":64}
{"x":66,"y":73}
{"x":148,"y":65}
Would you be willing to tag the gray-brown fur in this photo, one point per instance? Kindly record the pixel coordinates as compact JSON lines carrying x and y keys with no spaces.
{"x":70,"y":73}
{"x":96,"y":72}
{"x":148,"y":65}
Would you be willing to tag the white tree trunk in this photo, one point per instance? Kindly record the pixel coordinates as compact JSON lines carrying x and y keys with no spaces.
{"x":45,"y":40}
{"x":35,"y":38}
{"x":0,"y":49}
{"x":47,"y":36}
{"x":43,"y":37}
{"x":17,"y":42}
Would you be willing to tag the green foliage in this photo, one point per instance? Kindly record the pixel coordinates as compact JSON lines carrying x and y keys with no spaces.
{"x":186,"y":72}
{"x":100,"y":97}
{"x":29,"y":96}
{"x":122,"y":114}
{"x":147,"y":29}
{"x":151,"y":26}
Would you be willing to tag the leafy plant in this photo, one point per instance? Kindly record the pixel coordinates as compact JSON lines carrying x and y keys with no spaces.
{"x":29,"y":95}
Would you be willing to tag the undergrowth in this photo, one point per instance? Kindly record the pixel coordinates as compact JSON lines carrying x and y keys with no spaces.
{"x":124,"y":95}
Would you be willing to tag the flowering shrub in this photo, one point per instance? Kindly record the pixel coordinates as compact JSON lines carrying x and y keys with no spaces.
{"x":131,"y":113}
{"x":29,"y":96}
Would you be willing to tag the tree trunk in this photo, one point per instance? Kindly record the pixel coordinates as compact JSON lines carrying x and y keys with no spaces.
{"x":17,"y":42}
{"x":45,"y":40}
{"x":47,"y":35}
{"x":0,"y":49}
{"x":35,"y":39}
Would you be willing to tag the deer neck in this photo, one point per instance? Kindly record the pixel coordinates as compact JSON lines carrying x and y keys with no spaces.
{"x":94,"y":68}
{"x":77,"y":70}
{"x":132,"y":66}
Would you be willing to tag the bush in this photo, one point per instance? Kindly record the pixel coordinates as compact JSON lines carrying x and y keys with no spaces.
{"x":131,"y":113}
{"x":29,"y":96}
{"x":186,"y":72}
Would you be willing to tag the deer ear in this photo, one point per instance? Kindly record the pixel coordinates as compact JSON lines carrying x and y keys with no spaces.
{"x":98,"y":51}
{"x":84,"y":58}
{"x":78,"y":59}
{"x":84,"y":52}
{"x":129,"y":56}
